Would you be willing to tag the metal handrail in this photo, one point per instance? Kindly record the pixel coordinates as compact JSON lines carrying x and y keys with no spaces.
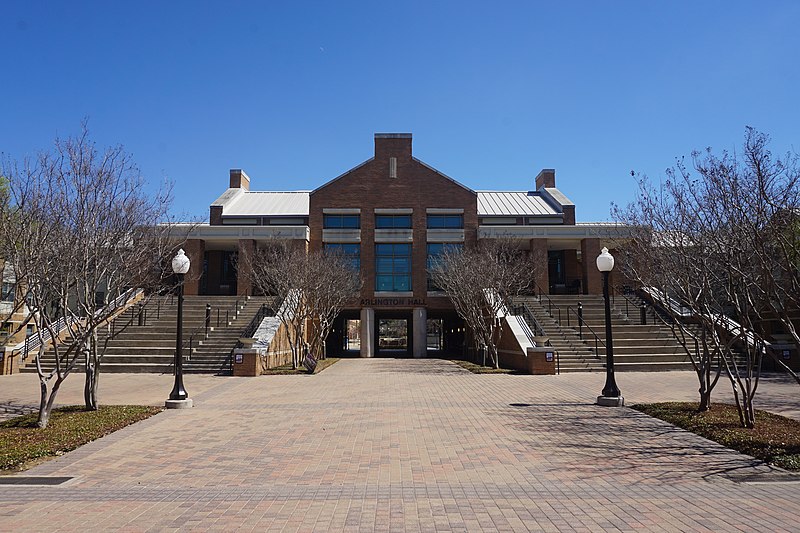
{"x":41,"y":337}
{"x":263,"y":311}
{"x":206,"y":326}
{"x":628,"y":303}
{"x":550,"y":303}
{"x":538,"y":328}
{"x":581,"y":322}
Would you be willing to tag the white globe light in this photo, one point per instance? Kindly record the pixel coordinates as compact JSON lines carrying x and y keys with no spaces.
{"x":180,"y":263}
{"x":605,"y":261}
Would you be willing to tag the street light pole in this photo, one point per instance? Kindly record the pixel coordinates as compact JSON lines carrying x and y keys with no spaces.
{"x":611,"y":395}
{"x":179,"y":398}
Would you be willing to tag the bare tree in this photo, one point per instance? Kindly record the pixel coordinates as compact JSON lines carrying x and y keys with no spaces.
{"x":313,"y":288}
{"x":84,"y":240}
{"x":720,"y":238}
{"x":481,"y":281}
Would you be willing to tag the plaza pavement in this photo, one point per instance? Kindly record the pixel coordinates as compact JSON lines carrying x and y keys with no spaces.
{"x":401,"y":445}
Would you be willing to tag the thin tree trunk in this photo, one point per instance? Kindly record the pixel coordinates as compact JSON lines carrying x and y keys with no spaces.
{"x":47,"y":402}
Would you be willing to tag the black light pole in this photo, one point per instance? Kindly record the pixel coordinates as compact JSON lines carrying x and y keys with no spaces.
{"x":611,"y":396}
{"x":179,"y":398}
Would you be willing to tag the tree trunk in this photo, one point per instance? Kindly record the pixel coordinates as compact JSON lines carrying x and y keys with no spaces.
{"x":92,"y":372}
{"x":47,"y":402}
{"x":44,"y":413}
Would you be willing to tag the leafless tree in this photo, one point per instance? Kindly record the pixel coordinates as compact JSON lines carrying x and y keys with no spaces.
{"x":481,"y":281}
{"x":312,"y":288}
{"x":83,"y":237}
{"x":720,"y":238}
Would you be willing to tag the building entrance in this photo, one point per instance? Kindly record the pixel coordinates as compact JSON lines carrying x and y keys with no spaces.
{"x":393,"y":337}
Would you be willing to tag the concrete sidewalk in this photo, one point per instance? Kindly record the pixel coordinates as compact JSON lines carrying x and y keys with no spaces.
{"x":404,"y":445}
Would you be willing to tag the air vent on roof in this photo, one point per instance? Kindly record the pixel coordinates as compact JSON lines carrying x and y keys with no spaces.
{"x":392,"y":167}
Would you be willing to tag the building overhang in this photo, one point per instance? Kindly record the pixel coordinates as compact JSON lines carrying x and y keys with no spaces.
{"x":560,"y":231}
{"x":210,"y":233}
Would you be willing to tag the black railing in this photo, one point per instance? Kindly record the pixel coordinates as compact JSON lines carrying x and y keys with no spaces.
{"x":264,"y":311}
{"x":581,"y":324}
{"x":642,"y":307}
{"x":550,"y":304}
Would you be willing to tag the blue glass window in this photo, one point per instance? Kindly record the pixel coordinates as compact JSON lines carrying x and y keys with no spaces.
{"x":350,"y":251}
{"x":434,"y":250}
{"x":445,"y":221}
{"x":341,"y":221}
{"x":393,"y":221}
{"x":393,"y":267}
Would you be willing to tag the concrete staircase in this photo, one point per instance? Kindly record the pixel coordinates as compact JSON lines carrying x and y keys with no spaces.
{"x":150,"y":347}
{"x":637,"y":347}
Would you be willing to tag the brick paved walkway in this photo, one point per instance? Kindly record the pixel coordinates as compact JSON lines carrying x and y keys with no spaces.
{"x":405,"y":445}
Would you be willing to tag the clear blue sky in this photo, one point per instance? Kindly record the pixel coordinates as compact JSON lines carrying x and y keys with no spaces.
{"x":492,"y":91}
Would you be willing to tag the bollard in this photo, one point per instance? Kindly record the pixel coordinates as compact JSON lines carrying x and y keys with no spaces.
{"x":141,"y":315}
{"x":208,"y":317}
{"x":580,"y":320}
{"x":643,"y":315}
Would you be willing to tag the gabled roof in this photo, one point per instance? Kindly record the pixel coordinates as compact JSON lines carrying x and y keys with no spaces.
{"x":514,"y":203}
{"x":238,"y":202}
{"x":345,"y":173}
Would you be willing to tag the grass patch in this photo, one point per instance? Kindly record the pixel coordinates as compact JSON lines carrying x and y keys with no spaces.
{"x":287,"y":370}
{"x":775,"y":439}
{"x":23,"y":444}
{"x":479,"y":369}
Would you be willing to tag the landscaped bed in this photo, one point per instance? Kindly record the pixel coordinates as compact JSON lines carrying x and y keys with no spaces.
{"x":775,"y":439}
{"x":22,"y":444}
{"x":480,"y":369}
{"x":287,"y":369}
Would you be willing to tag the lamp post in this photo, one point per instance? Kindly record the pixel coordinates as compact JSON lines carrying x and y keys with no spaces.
{"x":179,"y":398}
{"x":611,"y":396}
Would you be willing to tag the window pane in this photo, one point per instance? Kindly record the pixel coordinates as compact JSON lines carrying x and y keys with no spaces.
{"x":341,"y":221}
{"x":446,"y":221}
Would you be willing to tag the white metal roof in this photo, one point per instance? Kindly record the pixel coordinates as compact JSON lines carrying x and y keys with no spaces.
{"x":508,"y":203}
{"x":257,"y":203}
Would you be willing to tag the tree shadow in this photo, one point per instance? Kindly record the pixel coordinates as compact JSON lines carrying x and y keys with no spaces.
{"x":588,"y":442}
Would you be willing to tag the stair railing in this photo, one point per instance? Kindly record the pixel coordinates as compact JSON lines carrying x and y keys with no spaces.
{"x":530,"y":318}
{"x":206,"y":325}
{"x":550,"y":304}
{"x":581,"y":323}
{"x":264,"y":311}
{"x":630,"y":303}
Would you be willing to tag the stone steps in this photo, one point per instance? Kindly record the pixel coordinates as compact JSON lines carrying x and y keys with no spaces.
{"x":637,"y":347}
{"x":150,"y":348}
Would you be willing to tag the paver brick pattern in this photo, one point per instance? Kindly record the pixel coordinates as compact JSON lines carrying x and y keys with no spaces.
{"x":406,"y":445}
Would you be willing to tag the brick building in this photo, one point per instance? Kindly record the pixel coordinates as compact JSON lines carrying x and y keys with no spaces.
{"x":392,"y":213}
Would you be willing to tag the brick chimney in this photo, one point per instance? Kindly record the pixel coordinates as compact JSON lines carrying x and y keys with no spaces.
{"x":546,"y":178}
{"x":393,"y":145}
{"x":239,"y":179}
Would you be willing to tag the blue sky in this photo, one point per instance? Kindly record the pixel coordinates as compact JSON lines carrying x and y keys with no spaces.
{"x":492,"y":91}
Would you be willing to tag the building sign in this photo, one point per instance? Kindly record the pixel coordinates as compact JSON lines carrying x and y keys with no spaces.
{"x":392,"y":302}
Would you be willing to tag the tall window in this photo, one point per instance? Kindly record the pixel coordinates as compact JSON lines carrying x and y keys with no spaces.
{"x":341,"y":221}
{"x":435,"y":249}
{"x":392,"y":267}
{"x":351,"y":252}
{"x":393,"y":221}
{"x":8,"y":292}
{"x":445,"y":221}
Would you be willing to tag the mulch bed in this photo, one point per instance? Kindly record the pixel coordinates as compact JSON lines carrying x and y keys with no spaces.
{"x":775,"y":439}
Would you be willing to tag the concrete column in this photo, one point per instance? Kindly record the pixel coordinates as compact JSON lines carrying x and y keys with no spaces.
{"x":539,"y":257}
{"x":419,"y":328}
{"x":592,"y":279}
{"x":367,"y":332}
